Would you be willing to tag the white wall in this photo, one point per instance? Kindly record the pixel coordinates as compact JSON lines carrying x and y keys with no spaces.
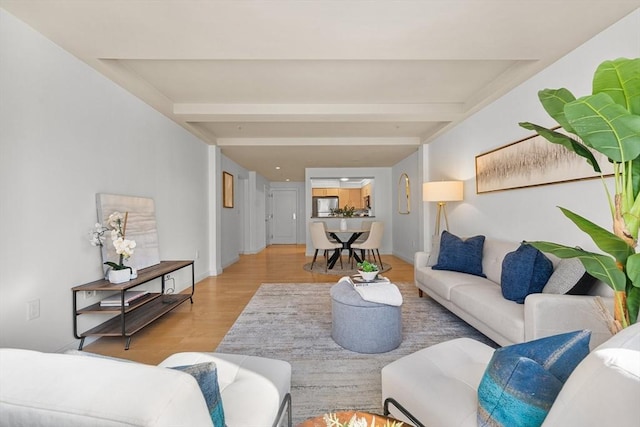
{"x":407,"y":228}
{"x":67,"y":133}
{"x":381,"y":199}
{"x":529,"y":213}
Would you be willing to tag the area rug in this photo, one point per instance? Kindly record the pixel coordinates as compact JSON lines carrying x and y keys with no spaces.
{"x":346,"y":270}
{"x":292,"y":322}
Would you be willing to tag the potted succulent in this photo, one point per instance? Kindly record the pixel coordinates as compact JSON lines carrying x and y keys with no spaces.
{"x":368,"y":270}
{"x":607,"y":121}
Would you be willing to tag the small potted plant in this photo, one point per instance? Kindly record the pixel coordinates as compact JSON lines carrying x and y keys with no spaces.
{"x":368,"y":270}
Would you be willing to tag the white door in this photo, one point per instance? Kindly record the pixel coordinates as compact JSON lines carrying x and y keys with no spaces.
{"x":285,"y":212}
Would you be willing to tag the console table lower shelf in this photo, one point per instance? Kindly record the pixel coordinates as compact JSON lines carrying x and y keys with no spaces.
{"x":141,"y":312}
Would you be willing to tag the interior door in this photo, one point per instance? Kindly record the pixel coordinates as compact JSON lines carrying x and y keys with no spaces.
{"x":285,"y":216}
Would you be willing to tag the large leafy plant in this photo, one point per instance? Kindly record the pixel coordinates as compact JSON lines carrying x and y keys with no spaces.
{"x":607,"y":121}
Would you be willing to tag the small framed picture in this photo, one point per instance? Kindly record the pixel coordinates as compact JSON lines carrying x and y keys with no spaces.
{"x":227,"y":190}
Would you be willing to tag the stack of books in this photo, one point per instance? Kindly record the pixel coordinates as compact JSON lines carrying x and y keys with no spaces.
{"x":115,"y":300}
{"x":359,"y":281}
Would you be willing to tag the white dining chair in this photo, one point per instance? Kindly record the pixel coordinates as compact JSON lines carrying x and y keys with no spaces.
{"x":372,"y":244}
{"x":364,"y":225}
{"x":322,"y":242}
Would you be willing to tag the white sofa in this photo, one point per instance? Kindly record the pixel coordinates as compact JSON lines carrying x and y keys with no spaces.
{"x":438,"y":385}
{"x":479,"y":301}
{"x":52,"y":389}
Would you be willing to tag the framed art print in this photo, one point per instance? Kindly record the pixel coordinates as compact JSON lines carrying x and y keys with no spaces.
{"x":533,"y":161}
{"x":227,"y":190}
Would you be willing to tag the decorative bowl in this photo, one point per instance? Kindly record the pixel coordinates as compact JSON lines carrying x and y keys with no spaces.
{"x":368,"y":275}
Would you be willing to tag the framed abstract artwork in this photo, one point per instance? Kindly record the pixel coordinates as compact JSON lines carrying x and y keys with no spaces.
{"x":531,"y":162}
{"x":141,"y":227}
{"x":227,"y":190}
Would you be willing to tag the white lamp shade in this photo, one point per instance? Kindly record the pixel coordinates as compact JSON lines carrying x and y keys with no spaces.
{"x":442,"y":191}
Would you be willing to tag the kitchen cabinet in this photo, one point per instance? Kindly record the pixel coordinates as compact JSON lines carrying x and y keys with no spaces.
{"x":348,"y":196}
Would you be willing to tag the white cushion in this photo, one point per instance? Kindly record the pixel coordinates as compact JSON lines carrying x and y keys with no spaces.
{"x":441,"y":282}
{"x":48,"y":389}
{"x":485,"y":303}
{"x":245,"y":382}
{"x":438,"y":384}
{"x":493,"y":254}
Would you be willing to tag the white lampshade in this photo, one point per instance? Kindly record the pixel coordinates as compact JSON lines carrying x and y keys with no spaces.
{"x":442,"y":191}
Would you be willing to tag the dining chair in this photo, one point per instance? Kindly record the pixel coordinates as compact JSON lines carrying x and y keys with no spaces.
{"x":322,"y":242}
{"x":331,"y":239}
{"x":372,"y":244}
{"x":364,"y":225}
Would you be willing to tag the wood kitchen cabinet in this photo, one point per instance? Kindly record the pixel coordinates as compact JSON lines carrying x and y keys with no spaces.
{"x":347,"y":196}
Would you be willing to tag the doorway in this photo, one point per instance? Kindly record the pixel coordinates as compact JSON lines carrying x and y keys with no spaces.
{"x":284,"y":225}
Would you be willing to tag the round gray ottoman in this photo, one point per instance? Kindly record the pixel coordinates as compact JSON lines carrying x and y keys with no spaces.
{"x":363,"y":326}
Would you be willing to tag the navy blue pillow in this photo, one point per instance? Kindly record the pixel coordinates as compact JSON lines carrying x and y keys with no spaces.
{"x":464,"y":256}
{"x":524,"y":271}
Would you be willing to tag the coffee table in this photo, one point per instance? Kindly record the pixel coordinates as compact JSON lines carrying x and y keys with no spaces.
{"x":345,"y":416}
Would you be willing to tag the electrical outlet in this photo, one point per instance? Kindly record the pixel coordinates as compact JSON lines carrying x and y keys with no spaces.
{"x":33,"y":309}
{"x":89,"y":294}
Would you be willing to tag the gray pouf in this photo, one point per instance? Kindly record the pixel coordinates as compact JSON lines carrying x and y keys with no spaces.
{"x":363,"y":326}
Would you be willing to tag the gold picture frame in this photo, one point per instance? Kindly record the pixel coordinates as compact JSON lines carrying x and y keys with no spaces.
{"x":227,"y":190}
{"x":404,"y":195}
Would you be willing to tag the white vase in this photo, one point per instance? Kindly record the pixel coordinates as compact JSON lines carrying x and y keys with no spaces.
{"x":343,"y":224}
{"x":368,"y":275}
{"x":119,"y":276}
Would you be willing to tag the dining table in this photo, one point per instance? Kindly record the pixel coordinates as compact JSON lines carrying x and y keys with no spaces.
{"x":340,"y":237}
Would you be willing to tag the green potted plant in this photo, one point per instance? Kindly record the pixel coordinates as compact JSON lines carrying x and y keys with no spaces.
{"x":607,"y":121}
{"x":348,"y":211}
{"x":368,"y":270}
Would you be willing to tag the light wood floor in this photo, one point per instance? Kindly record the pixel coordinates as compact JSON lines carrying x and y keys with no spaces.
{"x":219,"y":300}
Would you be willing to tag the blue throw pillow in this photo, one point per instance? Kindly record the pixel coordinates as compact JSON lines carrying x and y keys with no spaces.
{"x":464,"y":256}
{"x":207,"y":376}
{"x":524,"y":271}
{"x":522,"y":381}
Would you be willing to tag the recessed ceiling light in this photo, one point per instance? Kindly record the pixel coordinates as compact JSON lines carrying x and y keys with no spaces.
{"x":287,"y":180}
{"x":278,"y":168}
{"x":344,"y":179}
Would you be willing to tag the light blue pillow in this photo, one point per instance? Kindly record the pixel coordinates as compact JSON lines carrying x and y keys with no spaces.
{"x":524,"y":271}
{"x":207,"y":376}
{"x":522,"y":381}
{"x":464,"y":256}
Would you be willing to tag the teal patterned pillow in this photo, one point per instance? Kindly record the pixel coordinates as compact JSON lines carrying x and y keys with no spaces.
{"x":522,"y":381}
{"x":207,"y":376}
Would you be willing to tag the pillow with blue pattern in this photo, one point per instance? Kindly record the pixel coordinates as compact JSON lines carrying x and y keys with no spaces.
{"x":524,"y":271}
{"x":522,"y":381}
{"x":207,"y":376}
{"x":464,"y":256}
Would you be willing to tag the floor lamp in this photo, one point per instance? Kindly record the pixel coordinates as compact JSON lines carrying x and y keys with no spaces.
{"x":442,"y":192}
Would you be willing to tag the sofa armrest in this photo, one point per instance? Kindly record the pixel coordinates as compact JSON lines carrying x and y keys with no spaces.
{"x":551,"y":314}
{"x":420,"y":259}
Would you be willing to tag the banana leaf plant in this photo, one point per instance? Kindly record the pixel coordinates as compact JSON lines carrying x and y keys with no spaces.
{"x":607,"y":121}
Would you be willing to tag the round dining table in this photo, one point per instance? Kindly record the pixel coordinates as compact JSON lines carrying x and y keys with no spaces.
{"x":339,"y":236}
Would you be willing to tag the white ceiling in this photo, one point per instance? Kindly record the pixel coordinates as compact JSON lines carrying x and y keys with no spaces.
{"x":321,"y":83}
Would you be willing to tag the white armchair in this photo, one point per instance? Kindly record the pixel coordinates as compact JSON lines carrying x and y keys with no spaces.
{"x":73,"y":390}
